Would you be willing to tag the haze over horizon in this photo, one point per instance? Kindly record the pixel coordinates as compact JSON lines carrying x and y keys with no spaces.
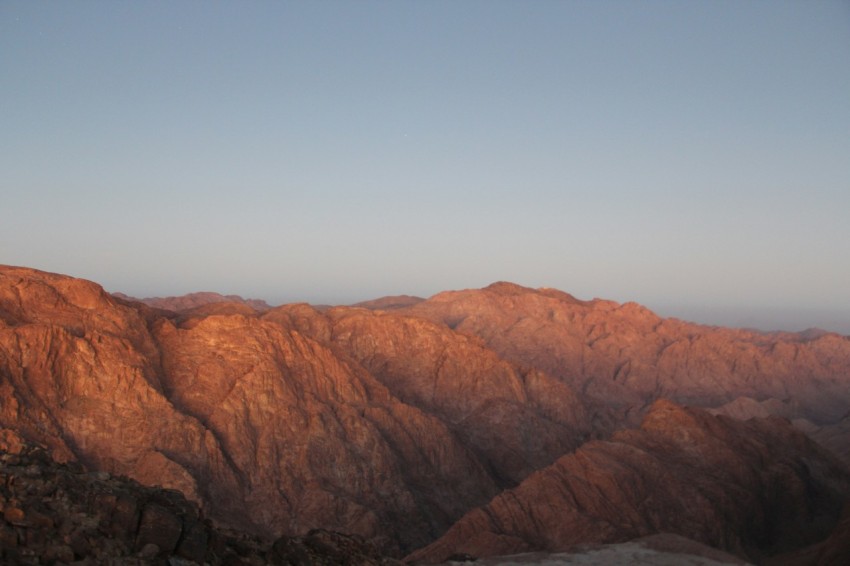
{"x":692,"y":157}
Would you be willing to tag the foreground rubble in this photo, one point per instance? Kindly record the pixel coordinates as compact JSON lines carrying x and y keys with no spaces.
{"x":59,"y":514}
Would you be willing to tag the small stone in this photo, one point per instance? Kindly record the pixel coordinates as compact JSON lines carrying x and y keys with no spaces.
{"x":36,"y":538}
{"x":60,"y":553}
{"x":33,"y":471}
{"x":39,"y":520}
{"x":104,"y":503}
{"x":15,"y":516}
{"x":160,"y":526}
{"x":66,"y":527}
{"x":80,"y":543}
{"x":125,"y":516}
{"x":193,"y":544}
{"x":8,"y":537}
{"x":10,"y":442}
{"x":149,"y":551}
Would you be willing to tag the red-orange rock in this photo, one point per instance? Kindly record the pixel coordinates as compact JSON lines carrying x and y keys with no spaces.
{"x":515,"y":420}
{"x":625,"y":357}
{"x":753,"y":489}
{"x":393,"y":421}
{"x":267,"y":428}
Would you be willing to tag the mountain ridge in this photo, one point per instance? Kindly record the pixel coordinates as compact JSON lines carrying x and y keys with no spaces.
{"x":189,"y":301}
{"x":606,"y":492}
{"x":391,"y":424}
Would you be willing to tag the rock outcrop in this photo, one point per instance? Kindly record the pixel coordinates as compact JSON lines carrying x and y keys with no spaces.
{"x":264,"y":427}
{"x":626,"y":357}
{"x":52,"y":513}
{"x":316,"y":440}
{"x":392,"y":422}
{"x":753,"y":489}
{"x":515,"y":420}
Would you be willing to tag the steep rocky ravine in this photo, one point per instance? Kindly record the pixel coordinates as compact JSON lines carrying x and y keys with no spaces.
{"x":754,"y":489}
{"x":516,"y":420}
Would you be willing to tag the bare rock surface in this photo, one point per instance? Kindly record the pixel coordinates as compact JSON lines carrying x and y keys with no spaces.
{"x":264,"y":427}
{"x":515,"y":420}
{"x":626,"y":357}
{"x":52,"y":513}
{"x":392,"y":420}
{"x":269,"y":425}
{"x":319,"y":437}
{"x":753,"y":489}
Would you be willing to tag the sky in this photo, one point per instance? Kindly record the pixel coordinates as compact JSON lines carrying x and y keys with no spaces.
{"x":690,"y":156}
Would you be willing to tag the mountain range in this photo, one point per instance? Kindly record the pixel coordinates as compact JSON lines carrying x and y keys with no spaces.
{"x":478,"y":422}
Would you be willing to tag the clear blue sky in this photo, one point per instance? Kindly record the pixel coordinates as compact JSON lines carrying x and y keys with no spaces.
{"x":691,"y":156}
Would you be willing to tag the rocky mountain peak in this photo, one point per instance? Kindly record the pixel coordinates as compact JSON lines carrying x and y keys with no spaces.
{"x":484,"y":421}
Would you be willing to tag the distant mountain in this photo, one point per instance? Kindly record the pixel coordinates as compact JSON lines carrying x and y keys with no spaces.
{"x":194,"y":300}
{"x":389,"y":303}
{"x":624,"y":357}
{"x":396,"y":420}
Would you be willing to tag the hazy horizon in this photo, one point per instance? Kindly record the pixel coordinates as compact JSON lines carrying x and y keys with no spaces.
{"x":691,"y":157}
{"x":759,"y":317}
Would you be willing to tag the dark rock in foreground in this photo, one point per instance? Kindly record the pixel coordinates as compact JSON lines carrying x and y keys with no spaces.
{"x":56,"y":513}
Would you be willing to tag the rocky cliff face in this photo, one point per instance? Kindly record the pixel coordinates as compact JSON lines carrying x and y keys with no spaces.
{"x":394,"y":421}
{"x":626,"y":357}
{"x":515,"y":420}
{"x":754,"y":489}
{"x":269,"y":430}
{"x":384,"y":426}
{"x":318,"y":436}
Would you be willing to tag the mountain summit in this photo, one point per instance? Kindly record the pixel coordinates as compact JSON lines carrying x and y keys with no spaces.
{"x":480,"y":421}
